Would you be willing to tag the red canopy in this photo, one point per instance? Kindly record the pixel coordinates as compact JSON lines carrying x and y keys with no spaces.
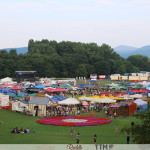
{"x":55,"y":90}
{"x":141,"y":91}
{"x":17,"y":87}
{"x":5,"y":85}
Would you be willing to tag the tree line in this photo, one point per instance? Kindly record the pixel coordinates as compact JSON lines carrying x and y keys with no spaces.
{"x":69,"y":59}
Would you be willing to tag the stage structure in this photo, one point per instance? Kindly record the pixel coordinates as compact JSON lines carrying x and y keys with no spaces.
{"x":25,"y":76}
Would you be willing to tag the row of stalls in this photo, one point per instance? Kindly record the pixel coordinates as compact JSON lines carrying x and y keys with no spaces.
{"x":37,"y":106}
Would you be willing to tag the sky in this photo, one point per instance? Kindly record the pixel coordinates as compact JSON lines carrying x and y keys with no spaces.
{"x":113,"y":22}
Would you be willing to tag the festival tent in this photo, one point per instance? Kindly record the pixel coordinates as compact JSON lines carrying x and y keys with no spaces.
{"x":65,"y":86}
{"x":139,"y":91}
{"x":61,"y":82}
{"x":22,"y":94}
{"x":69,"y":101}
{"x":11,"y":94}
{"x":7,"y":79}
{"x":141,"y":104}
{"x":40,"y":86}
{"x":123,"y":87}
{"x":105,"y":100}
{"x":55,"y":89}
{"x":6,"y":85}
{"x":136,"y":96}
{"x":33,"y":94}
{"x":137,"y":87}
{"x":84,"y":103}
{"x":86,"y":85}
{"x":54,"y":85}
{"x":19,"y":106}
{"x":116,"y":98}
{"x":57,"y":98}
{"x":84,"y":98}
{"x":17,"y":87}
{"x":130,"y":93}
{"x":5,"y":90}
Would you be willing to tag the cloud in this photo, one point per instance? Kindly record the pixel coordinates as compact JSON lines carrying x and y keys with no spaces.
{"x":104,"y":2}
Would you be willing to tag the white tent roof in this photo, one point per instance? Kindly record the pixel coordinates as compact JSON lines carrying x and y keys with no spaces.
{"x":86,"y":98}
{"x":136,"y":96}
{"x":105,"y":100}
{"x":140,"y":102}
{"x":69,"y":101}
{"x":7,"y":79}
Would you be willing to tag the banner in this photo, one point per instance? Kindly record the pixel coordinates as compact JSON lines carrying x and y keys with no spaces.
{"x":4,"y":100}
{"x":102,"y":77}
{"x":75,"y":146}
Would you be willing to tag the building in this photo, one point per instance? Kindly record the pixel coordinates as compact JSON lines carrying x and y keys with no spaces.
{"x":25,"y":76}
{"x":38,"y":106}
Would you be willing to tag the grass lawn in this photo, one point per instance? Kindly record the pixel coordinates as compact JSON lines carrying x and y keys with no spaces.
{"x":48,"y":134}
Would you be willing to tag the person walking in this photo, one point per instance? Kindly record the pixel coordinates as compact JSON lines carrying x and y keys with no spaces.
{"x":95,"y":138}
{"x":116,"y":128}
{"x":77,"y":138}
{"x":128,"y":139}
{"x":72,"y":131}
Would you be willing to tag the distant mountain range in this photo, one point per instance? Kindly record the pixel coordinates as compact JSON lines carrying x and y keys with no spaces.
{"x":126,"y":51}
{"x":122,"y":50}
{"x":20,"y":50}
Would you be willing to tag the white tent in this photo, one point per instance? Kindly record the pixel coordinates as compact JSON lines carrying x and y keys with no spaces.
{"x":86,"y":98}
{"x":105,"y":100}
{"x":7,"y":79}
{"x":19,"y":106}
{"x":135,"y":96}
{"x":140,"y":102}
{"x":69,"y":101}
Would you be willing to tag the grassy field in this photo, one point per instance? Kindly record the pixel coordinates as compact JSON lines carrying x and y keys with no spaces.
{"x":48,"y":134}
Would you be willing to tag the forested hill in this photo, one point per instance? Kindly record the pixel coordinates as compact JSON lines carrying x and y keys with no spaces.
{"x":69,"y":59}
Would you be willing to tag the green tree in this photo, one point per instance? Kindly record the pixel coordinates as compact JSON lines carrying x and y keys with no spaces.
{"x":81,"y":71}
{"x":140,"y":132}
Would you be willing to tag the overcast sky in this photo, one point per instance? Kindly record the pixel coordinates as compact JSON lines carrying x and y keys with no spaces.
{"x":114,"y":22}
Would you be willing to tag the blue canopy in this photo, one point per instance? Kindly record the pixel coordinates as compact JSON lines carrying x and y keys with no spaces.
{"x":5,"y":90}
{"x":120,"y":83}
{"x":22,"y":94}
{"x":86,"y":85}
{"x":40,"y":86}
{"x":58,"y":98}
{"x":130,"y":93}
{"x":144,"y":107}
{"x":31,"y":86}
{"x":11,"y":94}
